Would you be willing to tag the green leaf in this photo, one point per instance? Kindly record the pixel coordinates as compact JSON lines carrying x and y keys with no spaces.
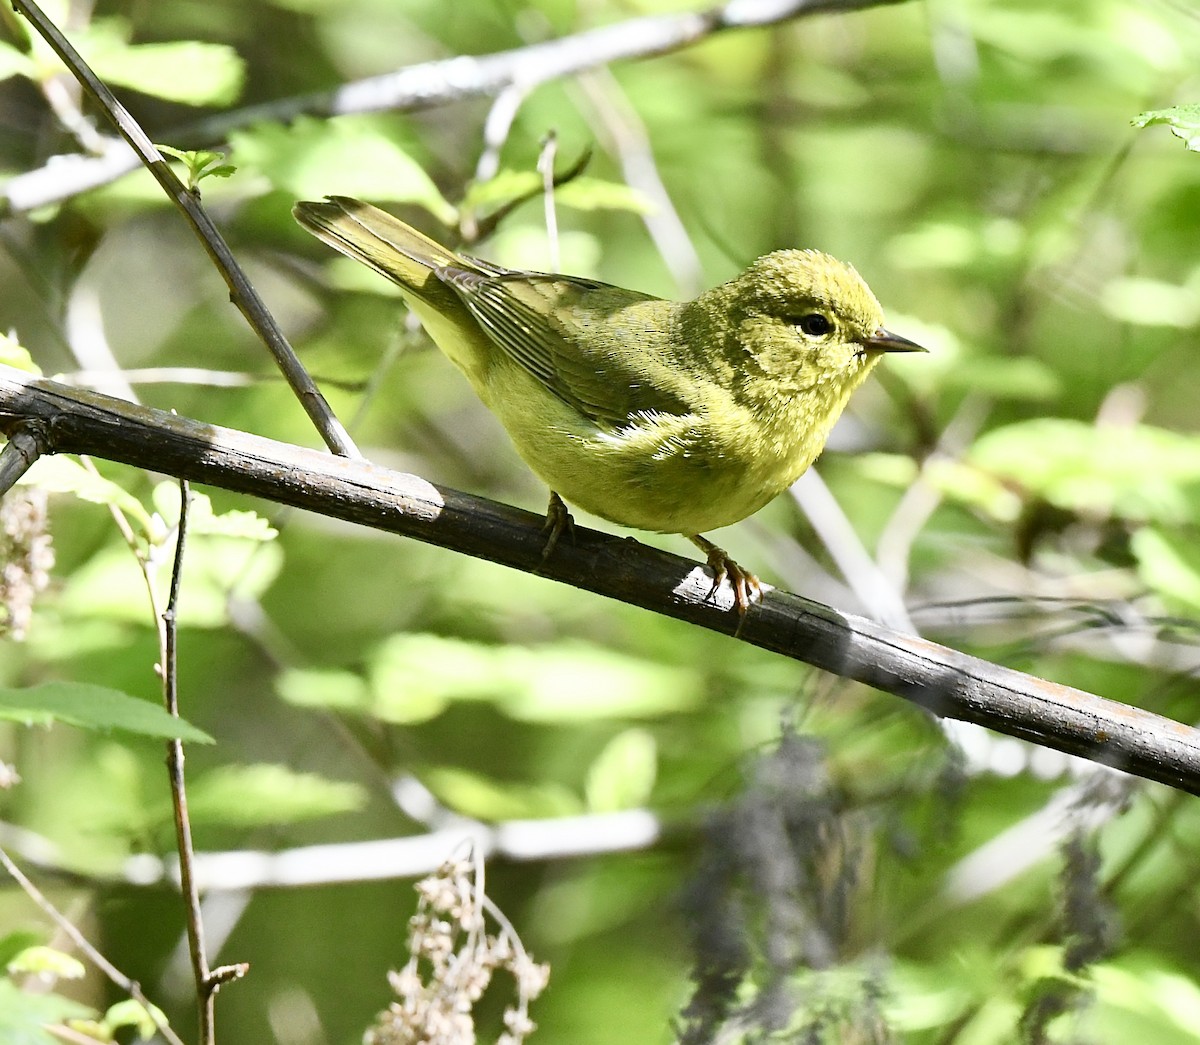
{"x":59,"y":474}
{"x":1137,"y":472}
{"x":14,"y":354}
{"x":15,"y":63}
{"x":1184,"y":121}
{"x":25,"y":1016}
{"x":40,"y":959}
{"x":259,"y":795}
{"x":586,"y":193}
{"x":346,"y":155}
{"x":414,"y":677}
{"x":1169,"y":563}
{"x":200,"y":163}
{"x":14,"y":943}
{"x":622,"y":776}
{"x":504,"y":187}
{"x":317,"y":688}
{"x":94,"y":707}
{"x":1150,"y":302}
{"x":474,"y":795}
{"x":203,"y":520}
{"x":1022,"y":378}
{"x":186,"y":71}
{"x":582,"y":193}
{"x":132,"y":1013}
{"x":1163,"y":1003}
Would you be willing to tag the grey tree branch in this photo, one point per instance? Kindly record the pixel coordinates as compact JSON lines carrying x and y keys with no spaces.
{"x":377,"y":859}
{"x":943,"y":680}
{"x":433,"y":83}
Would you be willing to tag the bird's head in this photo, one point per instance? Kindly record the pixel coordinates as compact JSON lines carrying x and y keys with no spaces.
{"x":806,"y":318}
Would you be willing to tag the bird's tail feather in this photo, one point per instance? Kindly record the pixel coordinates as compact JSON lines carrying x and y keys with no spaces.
{"x":374,"y":237}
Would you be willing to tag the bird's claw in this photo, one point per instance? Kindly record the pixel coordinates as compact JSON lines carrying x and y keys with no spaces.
{"x":558,"y":522}
{"x":747,"y":588}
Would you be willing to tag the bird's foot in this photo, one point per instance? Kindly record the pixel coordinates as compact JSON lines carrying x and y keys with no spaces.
{"x":747,"y":588}
{"x":558,"y":522}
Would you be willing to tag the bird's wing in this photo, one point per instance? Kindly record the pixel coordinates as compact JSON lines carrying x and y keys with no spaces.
{"x":567,"y":332}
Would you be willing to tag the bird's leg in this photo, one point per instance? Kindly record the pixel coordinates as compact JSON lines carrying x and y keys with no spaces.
{"x":747,"y":588}
{"x":558,"y":522}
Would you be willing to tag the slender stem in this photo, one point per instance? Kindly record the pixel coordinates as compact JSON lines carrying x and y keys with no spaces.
{"x":546,"y":169}
{"x":205,"y":990}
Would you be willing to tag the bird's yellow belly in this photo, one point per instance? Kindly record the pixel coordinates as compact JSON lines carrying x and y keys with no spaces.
{"x":673,"y":476}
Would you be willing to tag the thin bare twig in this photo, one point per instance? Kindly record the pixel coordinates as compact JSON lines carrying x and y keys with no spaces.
{"x":868,"y":582}
{"x":496,"y":129}
{"x":241,"y":291}
{"x":546,"y":169}
{"x":131,"y":987}
{"x":629,"y":140}
{"x":378,"y":859}
{"x":942,"y":680}
{"x":918,"y":503}
{"x":205,"y":993}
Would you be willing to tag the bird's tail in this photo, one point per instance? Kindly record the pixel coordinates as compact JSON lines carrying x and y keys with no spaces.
{"x":374,"y":237}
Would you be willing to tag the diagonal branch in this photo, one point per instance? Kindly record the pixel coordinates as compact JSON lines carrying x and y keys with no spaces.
{"x":428,"y":84}
{"x":943,"y":680}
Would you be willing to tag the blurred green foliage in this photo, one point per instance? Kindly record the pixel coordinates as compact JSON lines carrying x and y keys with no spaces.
{"x":1030,"y":487}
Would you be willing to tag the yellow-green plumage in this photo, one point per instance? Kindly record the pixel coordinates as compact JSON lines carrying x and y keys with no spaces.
{"x":677,"y":417}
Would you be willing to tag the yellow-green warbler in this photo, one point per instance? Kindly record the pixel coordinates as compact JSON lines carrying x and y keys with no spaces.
{"x":671,"y":416}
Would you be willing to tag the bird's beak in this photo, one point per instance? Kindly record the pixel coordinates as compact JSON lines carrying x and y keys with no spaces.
{"x":885,"y":341}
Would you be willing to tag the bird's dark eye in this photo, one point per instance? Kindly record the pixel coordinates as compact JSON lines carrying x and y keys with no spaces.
{"x":814,"y":324}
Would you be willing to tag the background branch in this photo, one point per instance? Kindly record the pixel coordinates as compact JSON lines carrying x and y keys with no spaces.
{"x":427,"y":84}
{"x":945,"y":681}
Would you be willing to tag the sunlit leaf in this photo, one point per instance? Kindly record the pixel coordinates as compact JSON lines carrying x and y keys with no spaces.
{"x":1024,"y":378}
{"x":60,"y":474}
{"x":414,"y":677}
{"x":1136,"y":472}
{"x":47,"y":960}
{"x":475,"y":795}
{"x":250,"y":796}
{"x":349,"y":156}
{"x":1169,"y":563}
{"x":1151,"y":302}
{"x":132,"y":1013}
{"x":14,"y":354}
{"x":1184,"y":121}
{"x":25,"y":1015}
{"x":13,"y":943}
{"x":586,"y":193}
{"x":310,"y":687}
{"x":94,"y":707}
{"x":186,"y":71}
{"x":502,"y":188}
{"x":622,"y":776}
{"x":15,"y":63}
{"x":202,"y":519}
